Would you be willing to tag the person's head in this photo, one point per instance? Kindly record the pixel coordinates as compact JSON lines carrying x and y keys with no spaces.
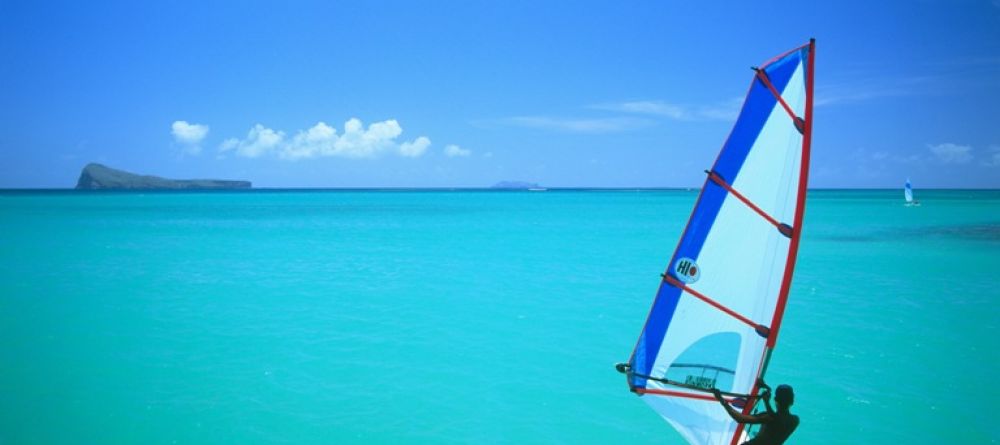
{"x":784,"y":396}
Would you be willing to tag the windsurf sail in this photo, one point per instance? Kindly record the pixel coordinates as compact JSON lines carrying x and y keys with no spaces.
{"x":908,"y":192}
{"x":716,"y":315}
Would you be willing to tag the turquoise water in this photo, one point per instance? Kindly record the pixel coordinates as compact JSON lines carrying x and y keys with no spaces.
{"x":462,"y":317}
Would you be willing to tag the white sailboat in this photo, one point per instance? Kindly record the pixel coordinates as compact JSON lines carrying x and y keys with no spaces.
{"x":908,"y":195}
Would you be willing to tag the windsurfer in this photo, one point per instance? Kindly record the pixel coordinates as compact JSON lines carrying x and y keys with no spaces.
{"x":775,"y":426}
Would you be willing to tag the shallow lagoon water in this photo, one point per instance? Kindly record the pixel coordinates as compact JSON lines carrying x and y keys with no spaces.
{"x":438,"y":317}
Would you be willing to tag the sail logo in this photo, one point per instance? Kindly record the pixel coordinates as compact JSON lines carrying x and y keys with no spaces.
{"x":700,"y":381}
{"x":686,"y":270}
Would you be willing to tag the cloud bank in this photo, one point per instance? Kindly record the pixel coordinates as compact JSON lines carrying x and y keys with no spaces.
{"x":322,"y":140}
{"x":631,"y":115}
{"x":950,"y":153}
{"x":935,"y":155}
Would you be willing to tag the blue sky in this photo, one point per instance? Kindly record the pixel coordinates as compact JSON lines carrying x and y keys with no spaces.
{"x":468,"y":93}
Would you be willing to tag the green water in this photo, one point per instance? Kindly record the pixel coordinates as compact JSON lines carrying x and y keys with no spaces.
{"x":461,"y":317}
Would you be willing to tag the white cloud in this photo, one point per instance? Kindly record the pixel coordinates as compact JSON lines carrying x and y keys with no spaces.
{"x":721,"y":111}
{"x":319,"y":139}
{"x":322,"y":140}
{"x":453,"y":150}
{"x":857,"y":87}
{"x":994,"y":160}
{"x":950,"y":153}
{"x":259,"y":141}
{"x":229,"y":144}
{"x":869,"y":163}
{"x":656,"y":108}
{"x":414,"y":148}
{"x":632,"y":115}
{"x":599,"y":125}
{"x":357,"y":142}
{"x":190,"y":135}
{"x":854,"y":93}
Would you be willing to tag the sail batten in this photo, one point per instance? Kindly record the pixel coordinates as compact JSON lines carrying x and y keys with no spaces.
{"x":717,"y":312}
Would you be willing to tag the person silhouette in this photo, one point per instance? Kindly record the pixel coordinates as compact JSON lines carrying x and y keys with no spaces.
{"x":775,"y":426}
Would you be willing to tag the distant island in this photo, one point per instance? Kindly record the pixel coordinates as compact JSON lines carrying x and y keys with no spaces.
{"x":100,"y":177}
{"x":516,"y":185}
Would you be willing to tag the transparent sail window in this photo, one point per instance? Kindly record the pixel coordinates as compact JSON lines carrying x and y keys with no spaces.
{"x":708,"y":363}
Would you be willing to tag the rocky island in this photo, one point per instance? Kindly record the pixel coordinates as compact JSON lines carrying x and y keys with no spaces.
{"x":100,"y":177}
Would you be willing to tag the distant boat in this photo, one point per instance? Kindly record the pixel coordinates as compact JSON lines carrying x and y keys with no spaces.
{"x":537,"y":189}
{"x":908,"y":195}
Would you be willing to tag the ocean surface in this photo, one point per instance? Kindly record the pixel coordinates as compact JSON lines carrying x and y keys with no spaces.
{"x":464,"y":317}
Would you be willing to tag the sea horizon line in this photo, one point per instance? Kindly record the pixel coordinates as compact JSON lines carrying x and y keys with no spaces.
{"x":441,"y":189}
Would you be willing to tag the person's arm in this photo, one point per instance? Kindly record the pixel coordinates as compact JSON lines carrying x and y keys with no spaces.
{"x":766,"y":395}
{"x":761,"y":383}
{"x":738,"y":416}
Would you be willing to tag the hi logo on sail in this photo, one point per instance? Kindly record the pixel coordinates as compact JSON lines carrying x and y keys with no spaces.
{"x":686,"y":270}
